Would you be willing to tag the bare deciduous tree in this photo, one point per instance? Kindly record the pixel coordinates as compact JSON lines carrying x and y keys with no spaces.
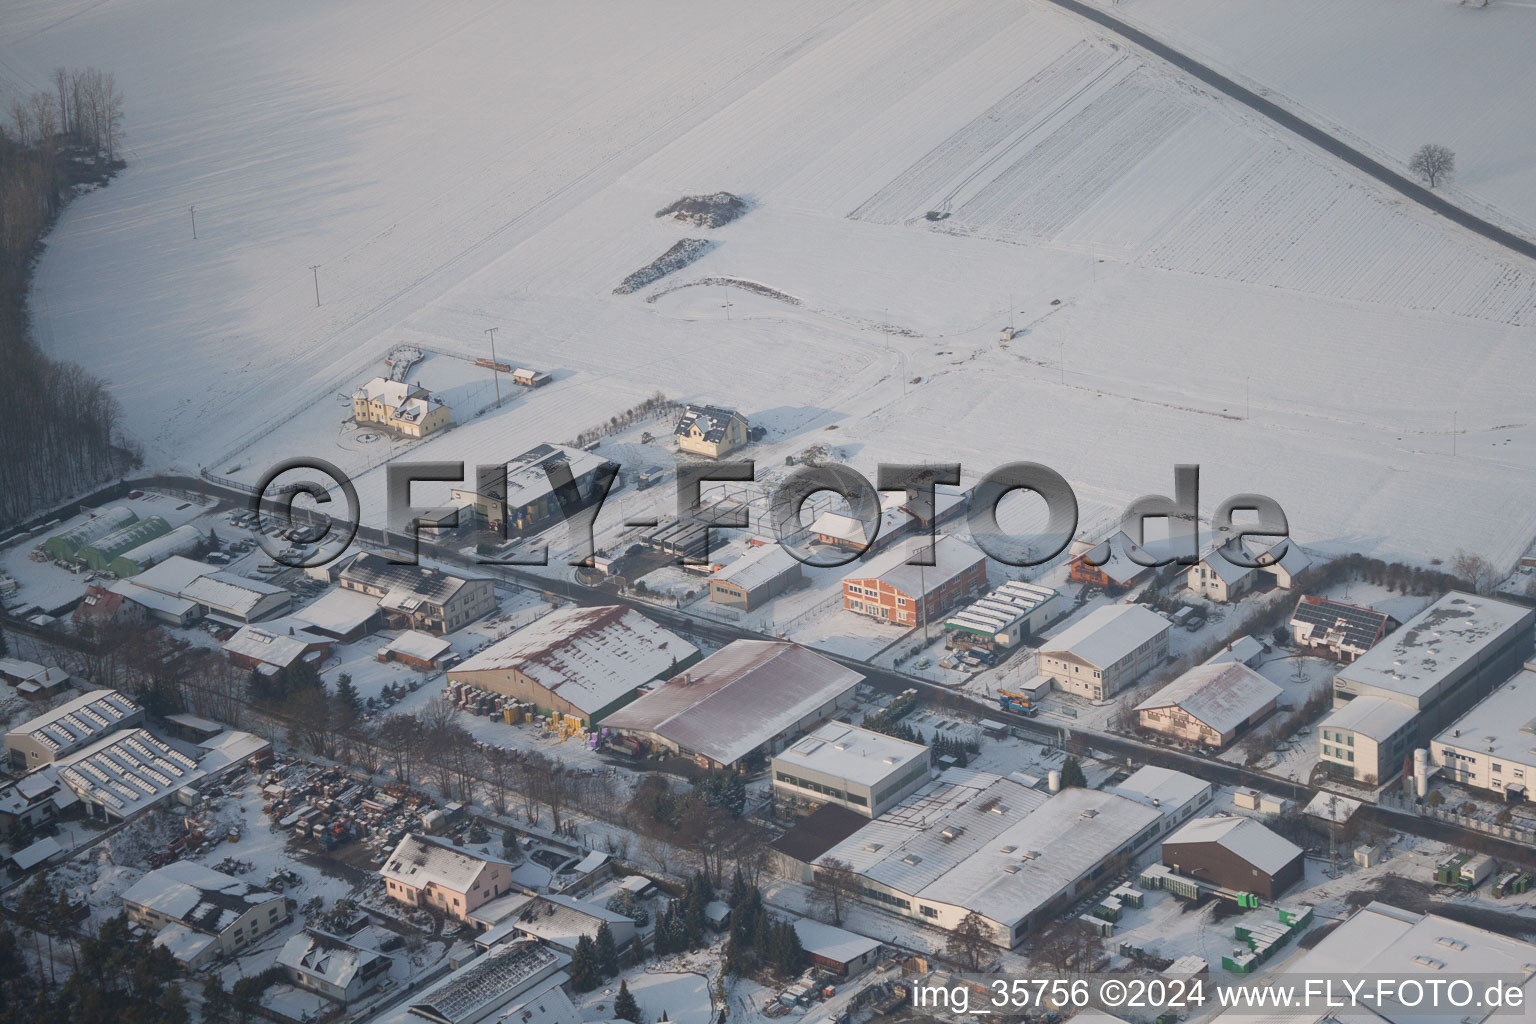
{"x":834,"y":888}
{"x":1432,"y":162}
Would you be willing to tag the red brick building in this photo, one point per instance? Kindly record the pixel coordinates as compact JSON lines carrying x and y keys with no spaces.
{"x":889,"y":589}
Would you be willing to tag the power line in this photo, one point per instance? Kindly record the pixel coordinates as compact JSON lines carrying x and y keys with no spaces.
{"x":495,"y":366}
{"x":314,"y":268}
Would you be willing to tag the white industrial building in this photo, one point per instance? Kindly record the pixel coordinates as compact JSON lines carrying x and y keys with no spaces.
{"x":974,"y":841}
{"x":211,"y":591}
{"x":752,"y":696}
{"x":1105,"y":651}
{"x":69,"y":727}
{"x":584,"y":662}
{"x":1384,"y":942}
{"x":868,"y":772}
{"x":1417,"y":681}
{"x":1177,"y":796}
{"x":1493,"y":746}
{"x":1006,"y":615}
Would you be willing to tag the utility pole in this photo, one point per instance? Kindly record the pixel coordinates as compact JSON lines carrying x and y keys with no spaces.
{"x":726,"y":305}
{"x":495,"y":366}
{"x":314,"y":268}
{"x":193,"y":210}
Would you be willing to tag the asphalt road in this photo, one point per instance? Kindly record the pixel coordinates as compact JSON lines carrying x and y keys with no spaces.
{"x":1324,"y":141}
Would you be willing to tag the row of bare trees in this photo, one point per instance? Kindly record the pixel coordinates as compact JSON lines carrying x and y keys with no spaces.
{"x":62,"y":432}
{"x":83,"y":106}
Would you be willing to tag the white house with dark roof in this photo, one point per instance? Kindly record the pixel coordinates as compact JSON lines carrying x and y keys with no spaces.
{"x":1222,"y":578}
{"x":427,"y":872}
{"x":199,"y":913}
{"x":332,"y":967}
{"x":1105,"y":651}
{"x":419,"y":596}
{"x":710,"y":430}
{"x":584,"y":662}
{"x":1339,"y":630}
{"x":1211,"y":704}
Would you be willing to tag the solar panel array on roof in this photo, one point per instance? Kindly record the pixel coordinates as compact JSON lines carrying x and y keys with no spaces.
{"x":424,"y":582}
{"x":1357,"y":627}
{"x":498,"y":975}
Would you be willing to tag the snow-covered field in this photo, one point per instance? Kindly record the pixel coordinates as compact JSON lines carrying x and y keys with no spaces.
{"x":1190,"y":284}
{"x":1389,"y":74}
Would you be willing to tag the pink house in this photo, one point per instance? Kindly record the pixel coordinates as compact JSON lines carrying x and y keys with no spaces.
{"x":433,"y":873}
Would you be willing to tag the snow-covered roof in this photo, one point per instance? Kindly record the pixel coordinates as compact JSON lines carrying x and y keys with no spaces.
{"x":1242,"y":837}
{"x":20,"y":670}
{"x":128,"y":771}
{"x":1244,"y":649}
{"x":229,"y":747}
{"x":738,"y":698}
{"x":1221,"y":696}
{"x":202,"y":899}
{"x":77,"y":722}
{"x":1107,"y":634}
{"x":151,"y":600}
{"x":759,"y":565}
{"x":182,"y":942}
{"x":1347,"y":625}
{"x":273,"y":647}
{"x":34,"y":854}
{"x":711,"y":420}
{"x":179,"y":541}
{"x":327,"y":957}
{"x":1163,"y":788}
{"x":1376,"y":717}
{"x":406,"y":587}
{"x":840,"y":527}
{"x":991,"y":844}
{"x":563,"y":920}
{"x":1383,"y":941}
{"x":1438,"y":641}
{"x":105,"y":521}
{"x":413,"y":643}
{"x":172,"y":575}
{"x":230,"y":592}
{"x":951,"y":556}
{"x":1332,"y":807}
{"x":202,"y":583}
{"x":996,"y":612}
{"x":1118,"y":565}
{"x":421,"y":860}
{"x":472,"y":992}
{"x":849,"y":752}
{"x":589,"y":656}
{"x":1502,"y":725}
{"x":836,"y":944}
{"x":527,"y":477}
{"x":393,"y":393}
{"x":339,"y":611}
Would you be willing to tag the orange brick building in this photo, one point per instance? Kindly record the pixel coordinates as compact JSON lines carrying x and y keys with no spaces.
{"x":888,"y":589}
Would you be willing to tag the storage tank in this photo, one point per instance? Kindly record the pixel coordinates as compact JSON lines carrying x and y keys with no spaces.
{"x":1421,"y":772}
{"x":1053,"y":781}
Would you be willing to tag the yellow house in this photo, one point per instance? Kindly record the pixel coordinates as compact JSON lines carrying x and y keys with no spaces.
{"x":404,"y":408}
{"x":710,"y":431}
